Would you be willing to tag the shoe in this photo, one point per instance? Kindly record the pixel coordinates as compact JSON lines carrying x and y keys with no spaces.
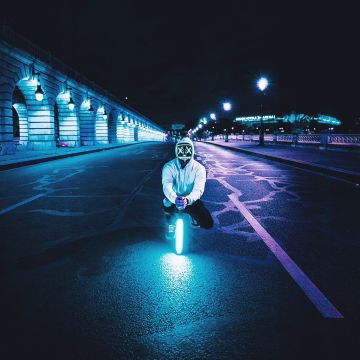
{"x":194,"y":223}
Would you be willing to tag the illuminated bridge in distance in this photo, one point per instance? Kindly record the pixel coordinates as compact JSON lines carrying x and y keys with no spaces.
{"x":44,"y":103}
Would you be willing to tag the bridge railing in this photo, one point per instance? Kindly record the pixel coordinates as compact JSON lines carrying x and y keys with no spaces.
{"x":343,"y":140}
{"x":321,"y":140}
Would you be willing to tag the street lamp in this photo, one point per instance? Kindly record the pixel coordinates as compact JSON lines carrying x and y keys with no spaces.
{"x":105,"y":116}
{"x":39,"y":93}
{"x":71,"y":104}
{"x":262,"y":84}
{"x":227,"y":107}
{"x":91,"y":109}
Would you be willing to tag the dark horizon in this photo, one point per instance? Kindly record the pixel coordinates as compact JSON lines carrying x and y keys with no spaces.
{"x":178,"y":64}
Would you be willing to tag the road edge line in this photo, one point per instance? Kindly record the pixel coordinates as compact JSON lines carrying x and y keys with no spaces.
{"x":313,"y":293}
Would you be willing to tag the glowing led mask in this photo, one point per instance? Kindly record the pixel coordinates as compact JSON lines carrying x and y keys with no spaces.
{"x":184,"y":152}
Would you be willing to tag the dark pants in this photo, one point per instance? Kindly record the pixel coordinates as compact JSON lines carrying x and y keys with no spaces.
{"x":197,"y":211}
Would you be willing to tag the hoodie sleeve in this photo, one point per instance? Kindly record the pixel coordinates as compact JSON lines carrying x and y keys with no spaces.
{"x":167,"y":182}
{"x":199,"y":185}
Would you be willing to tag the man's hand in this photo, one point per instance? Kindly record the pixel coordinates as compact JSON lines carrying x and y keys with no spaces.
{"x":181,"y":202}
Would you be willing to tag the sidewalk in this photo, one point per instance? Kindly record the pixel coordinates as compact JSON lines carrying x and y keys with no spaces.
{"x":23,"y":157}
{"x":345,"y":165}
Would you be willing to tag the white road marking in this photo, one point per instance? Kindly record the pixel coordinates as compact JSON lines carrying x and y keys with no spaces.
{"x":21,"y":203}
{"x":320,"y":301}
{"x":139,"y":152}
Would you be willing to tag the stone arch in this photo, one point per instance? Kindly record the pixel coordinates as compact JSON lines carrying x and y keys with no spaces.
{"x":66,"y":127}
{"x":136,"y":129}
{"x":120,"y":128}
{"x":101,"y":126}
{"x":20,"y":118}
{"x":87,"y":116}
{"x":112,"y":125}
{"x":131,"y":128}
{"x":10,"y":74}
{"x":125,"y":132}
{"x":142,"y":131}
{"x":119,"y":124}
{"x":39,"y":115}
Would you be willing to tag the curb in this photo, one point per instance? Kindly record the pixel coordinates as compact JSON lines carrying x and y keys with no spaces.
{"x":57,"y":157}
{"x":343,"y":174}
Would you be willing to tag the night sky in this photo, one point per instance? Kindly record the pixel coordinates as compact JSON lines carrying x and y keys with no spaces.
{"x":177,"y":60}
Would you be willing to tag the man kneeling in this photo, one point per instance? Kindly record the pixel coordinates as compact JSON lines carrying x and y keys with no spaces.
{"x":183,"y":180}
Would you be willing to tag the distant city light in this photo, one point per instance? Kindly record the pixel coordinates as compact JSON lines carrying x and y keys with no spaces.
{"x":200,"y":126}
{"x":262,"y":84}
{"x":213,"y":116}
{"x":256,"y":118}
{"x":291,"y":118}
{"x":325,"y":119}
{"x":227,"y":106}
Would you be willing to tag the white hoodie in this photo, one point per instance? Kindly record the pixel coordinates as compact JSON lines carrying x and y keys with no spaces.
{"x":188,"y":182}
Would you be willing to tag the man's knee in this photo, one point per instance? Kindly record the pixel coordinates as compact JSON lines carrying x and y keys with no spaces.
{"x":207,"y":223}
{"x":202,"y":214}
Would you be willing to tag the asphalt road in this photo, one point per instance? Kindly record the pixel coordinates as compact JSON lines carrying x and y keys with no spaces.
{"x":85,"y":272}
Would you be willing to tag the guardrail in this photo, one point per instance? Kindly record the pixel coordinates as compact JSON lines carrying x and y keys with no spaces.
{"x":321,"y":140}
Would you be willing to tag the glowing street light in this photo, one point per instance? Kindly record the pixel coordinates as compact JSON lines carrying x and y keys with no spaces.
{"x":213,"y":116}
{"x":71,"y":104}
{"x":227,"y":106}
{"x":105,"y":115}
{"x":39,"y":93}
{"x":262,"y":84}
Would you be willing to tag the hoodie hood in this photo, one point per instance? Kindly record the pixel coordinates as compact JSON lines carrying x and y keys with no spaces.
{"x":182,"y":144}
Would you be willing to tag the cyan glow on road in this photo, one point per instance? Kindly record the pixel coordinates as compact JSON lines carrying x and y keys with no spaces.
{"x":177,"y":269}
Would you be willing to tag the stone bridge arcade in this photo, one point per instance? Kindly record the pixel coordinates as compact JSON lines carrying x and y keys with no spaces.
{"x":44,"y":103}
